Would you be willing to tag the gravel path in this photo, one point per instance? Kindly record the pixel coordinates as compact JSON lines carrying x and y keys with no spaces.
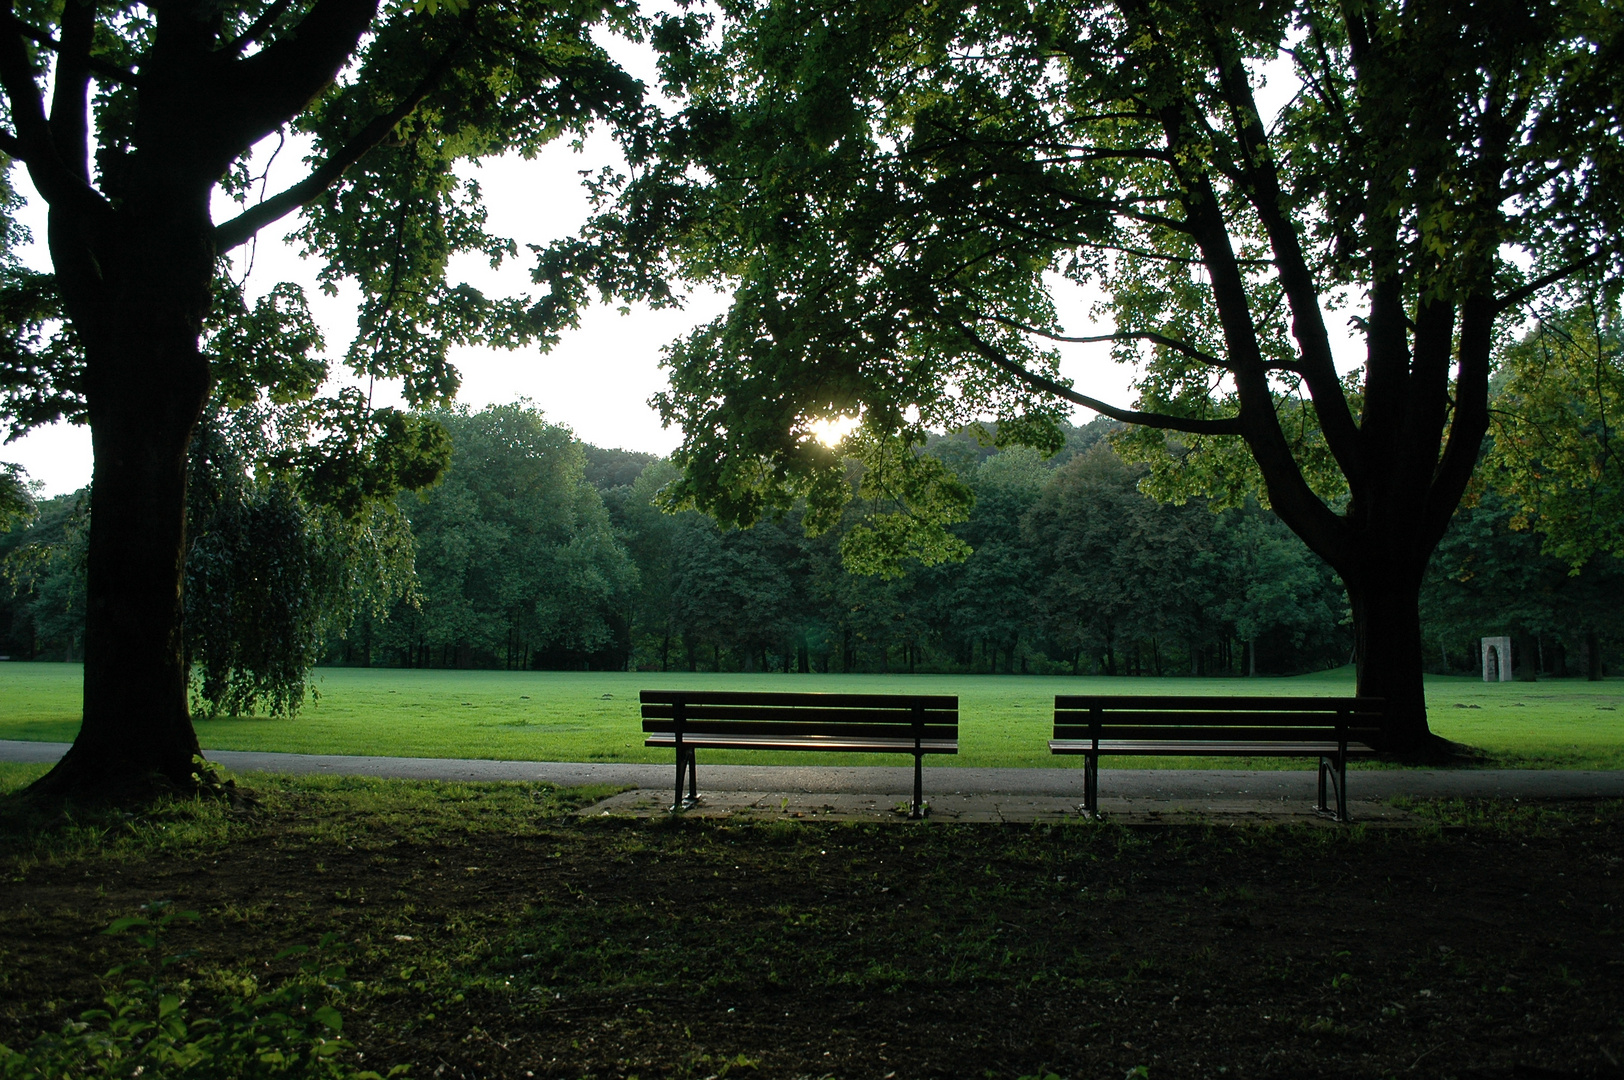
{"x":1155,"y":784}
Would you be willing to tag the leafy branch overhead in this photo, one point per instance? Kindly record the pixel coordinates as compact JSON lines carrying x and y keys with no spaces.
{"x":1556,"y":451}
{"x":384,"y":207}
{"x":902,"y":195}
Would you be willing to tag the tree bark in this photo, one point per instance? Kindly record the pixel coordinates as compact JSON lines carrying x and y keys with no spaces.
{"x":146,"y":384}
{"x":1387,"y":654}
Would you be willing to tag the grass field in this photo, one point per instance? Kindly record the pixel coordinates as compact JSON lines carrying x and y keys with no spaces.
{"x":592,"y":716}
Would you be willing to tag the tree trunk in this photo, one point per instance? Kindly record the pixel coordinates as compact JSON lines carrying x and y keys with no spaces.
{"x":1592,"y":657}
{"x":1387,"y":656}
{"x":146,"y":385}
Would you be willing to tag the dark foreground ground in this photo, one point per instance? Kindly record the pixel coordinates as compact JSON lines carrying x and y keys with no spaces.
{"x":487,"y":932}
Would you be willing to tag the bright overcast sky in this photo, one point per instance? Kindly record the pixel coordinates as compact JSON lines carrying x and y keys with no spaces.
{"x":597,"y":381}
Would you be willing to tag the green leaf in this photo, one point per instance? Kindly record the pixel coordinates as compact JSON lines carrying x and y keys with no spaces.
{"x":129,"y":922}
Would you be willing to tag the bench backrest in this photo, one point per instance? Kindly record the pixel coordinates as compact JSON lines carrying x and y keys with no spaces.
{"x":733,"y":712}
{"x":1241,"y":719}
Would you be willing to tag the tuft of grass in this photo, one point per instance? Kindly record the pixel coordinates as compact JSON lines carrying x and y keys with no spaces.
{"x":14,"y":776}
{"x":341,"y":809}
{"x":1506,"y":818}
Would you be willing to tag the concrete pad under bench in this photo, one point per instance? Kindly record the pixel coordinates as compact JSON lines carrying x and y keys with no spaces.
{"x":977,"y":807}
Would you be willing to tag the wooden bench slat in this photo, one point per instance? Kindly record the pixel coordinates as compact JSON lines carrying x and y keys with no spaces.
{"x":1240,"y":732}
{"x":852,"y":744}
{"x":787,"y":729}
{"x":1208,"y":719}
{"x":1208,"y":703}
{"x":814,"y":715}
{"x":1200,"y":748}
{"x":808,"y":700}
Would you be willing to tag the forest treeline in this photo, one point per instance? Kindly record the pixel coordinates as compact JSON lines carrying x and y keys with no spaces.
{"x":536,"y":550}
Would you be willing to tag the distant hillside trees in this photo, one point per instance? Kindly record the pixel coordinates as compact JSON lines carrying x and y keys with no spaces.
{"x":1538,"y":554}
{"x":1071,"y":570}
{"x":538,"y":551}
{"x":42,"y":582}
{"x":520,"y":561}
{"x":516,"y":563}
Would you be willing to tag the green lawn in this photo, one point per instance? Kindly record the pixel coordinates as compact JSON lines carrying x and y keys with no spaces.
{"x":592,"y":716}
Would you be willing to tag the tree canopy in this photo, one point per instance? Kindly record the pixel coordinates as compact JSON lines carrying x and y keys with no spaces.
{"x":1556,"y":448}
{"x":896,"y":190}
{"x":131,"y":118}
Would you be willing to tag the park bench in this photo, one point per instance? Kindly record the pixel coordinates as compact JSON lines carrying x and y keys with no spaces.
{"x":855,"y":723}
{"x":1331,"y":729}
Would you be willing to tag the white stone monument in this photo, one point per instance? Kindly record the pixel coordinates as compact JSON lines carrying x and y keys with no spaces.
{"x":1496,"y":659}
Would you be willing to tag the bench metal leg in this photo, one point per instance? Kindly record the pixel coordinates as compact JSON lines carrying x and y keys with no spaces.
{"x":918,"y":810}
{"x":1091,"y":785}
{"x":1336,"y":771}
{"x":685,"y":760}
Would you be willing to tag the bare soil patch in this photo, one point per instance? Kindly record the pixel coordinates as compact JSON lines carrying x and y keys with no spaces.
{"x":493,"y":934}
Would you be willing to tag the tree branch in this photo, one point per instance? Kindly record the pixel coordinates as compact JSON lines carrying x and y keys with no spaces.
{"x":995,"y":356}
{"x":276,"y":83}
{"x":1175,"y":344}
{"x":261,"y":26}
{"x":70,"y":107}
{"x":53,"y":179}
{"x":1527,"y":292}
{"x":240,"y":228}
{"x":1307,"y":321}
{"x":1471,"y":419}
{"x":98,"y":66}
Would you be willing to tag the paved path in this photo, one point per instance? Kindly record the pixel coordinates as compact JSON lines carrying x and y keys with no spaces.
{"x":1203,"y":785}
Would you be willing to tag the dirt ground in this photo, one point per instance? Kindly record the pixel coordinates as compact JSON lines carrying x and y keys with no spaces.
{"x":491,"y":932}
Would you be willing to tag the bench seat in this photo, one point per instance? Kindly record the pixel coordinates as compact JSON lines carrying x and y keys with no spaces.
{"x":1333,"y":730}
{"x":684,"y":720}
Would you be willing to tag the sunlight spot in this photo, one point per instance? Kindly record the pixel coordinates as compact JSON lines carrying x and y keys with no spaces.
{"x":832,"y":432}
